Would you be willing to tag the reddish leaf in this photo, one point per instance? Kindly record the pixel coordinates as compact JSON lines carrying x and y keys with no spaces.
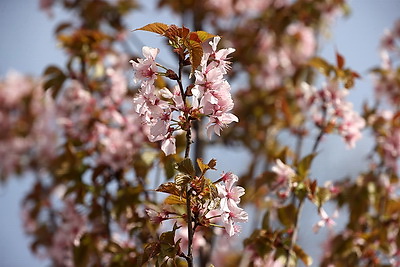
{"x":194,"y":37}
{"x":339,"y":60}
{"x":195,"y":54}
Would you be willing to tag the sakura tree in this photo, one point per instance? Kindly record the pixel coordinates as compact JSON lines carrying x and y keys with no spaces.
{"x":117,"y":140}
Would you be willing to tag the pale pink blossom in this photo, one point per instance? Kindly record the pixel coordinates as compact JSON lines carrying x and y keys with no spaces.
{"x":325,"y":220}
{"x":229,"y":195}
{"x":198,"y":240}
{"x":235,"y":214}
{"x":168,"y":146}
{"x":284,"y":172}
{"x":146,"y":69}
{"x":67,"y":235}
{"x":391,"y":148}
{"x":305,"y":43}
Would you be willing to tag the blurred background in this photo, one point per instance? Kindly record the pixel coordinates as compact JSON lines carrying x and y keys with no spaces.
{"x":28,"y":46}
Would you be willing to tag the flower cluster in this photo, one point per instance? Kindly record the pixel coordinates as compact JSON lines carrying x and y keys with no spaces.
{"x":67,"y":235}
{"x":331,"y":110}
{"x":284,"y":175}
{"x":212,"y":91}
{"x":166,"y":111}
{"x":28,"y":136}
{"x":229,"y":199}
{"x":101,"y":122}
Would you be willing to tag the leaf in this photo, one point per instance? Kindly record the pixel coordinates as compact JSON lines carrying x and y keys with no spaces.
{"x":174,"y":200}
{"x":202,"y":166}
{"x":265,"y":221}
{"x":321,"y":65}
{"x":54,"y":79}
{"x":195,"y":54}
{"x":340,"y":60}
{"x":169,"y":188}
{"x":150,"y":251}
{"x":186,"y":166}
{"x":323,"y":195}
{"x":304,"y":166}
{"x":156,"y":27}
{"x":306,"y":259}
{"x":287,"y":215}
{"x":212,"y":163}
{"x":168,"y":246}
{"x":194,"y":37}
{"x":182,"y":179}
{"x":204,"y":36}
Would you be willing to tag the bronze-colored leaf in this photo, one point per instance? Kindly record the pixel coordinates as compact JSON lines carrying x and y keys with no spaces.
{"x":195,"y":54}
{"x":156,"y":27}
{"x":174,"y":200}
{"x":306,"y":259}
{"x":169,"y":188}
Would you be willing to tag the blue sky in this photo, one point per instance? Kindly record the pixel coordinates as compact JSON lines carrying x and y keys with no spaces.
{"x":28,"y":46}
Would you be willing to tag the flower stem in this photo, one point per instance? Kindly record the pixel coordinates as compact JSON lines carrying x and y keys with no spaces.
{"x":295,"y":232}
{"x":189,"y":255}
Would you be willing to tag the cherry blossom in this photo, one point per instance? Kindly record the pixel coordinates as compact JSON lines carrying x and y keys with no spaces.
{"x":146,"y":69}
{"x":325,"y":220}
{"x":284,"y":172}
{"x":235,"y":214}
{"x":229,"y":194}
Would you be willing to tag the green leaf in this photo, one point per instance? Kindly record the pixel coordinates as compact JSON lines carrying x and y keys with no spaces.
{"x":265,"y":221}
{"x":186,"y":167}
{"x":156,"y":27}
{"x":322,"y":195}
{"x":304,"y":166}
{"x":287,"y":215}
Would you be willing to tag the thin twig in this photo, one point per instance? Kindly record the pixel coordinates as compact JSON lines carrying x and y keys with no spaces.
{"x":295,"y":232}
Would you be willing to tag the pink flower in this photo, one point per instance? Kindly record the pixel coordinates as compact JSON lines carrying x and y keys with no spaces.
{"x":325,"y":220}
{"x":391,"y":148}
{"x":198,"y":240}
{"x":235,"y":214}
{"x":285,"y":172}
{"x":229,"y":194}
{"x":146,"y":69}
{"x":168,"y":146}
